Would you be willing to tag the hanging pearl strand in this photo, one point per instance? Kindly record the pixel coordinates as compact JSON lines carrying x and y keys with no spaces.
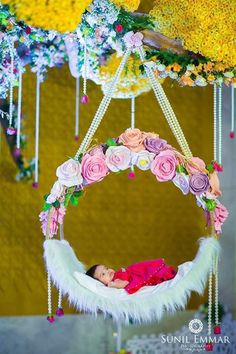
{"x":209,"y":306}
{"x":50,"y":317}
{"x":11,"y":130}
{"x":132,"y":125}
{"x":220,"y":124}
{"x":166,"y":107}
{"x":215,"y":122}
{"x":232,"y":134}
{"x":84,"y":98}
{"x":36,"y":177}
{"x":19,"y":109}
{"x":102,"y":108}
{"x":217,"y":329}
{"x":77,"y":109}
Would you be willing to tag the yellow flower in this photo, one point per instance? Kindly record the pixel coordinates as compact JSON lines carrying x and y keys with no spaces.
{"x":128,"y":5}
{"x":205,"y":27}
{"x":177,"y":67}
{"x":211,"y":77}
{"x":59,"y":15}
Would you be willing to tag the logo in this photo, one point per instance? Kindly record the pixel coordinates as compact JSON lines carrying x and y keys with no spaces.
{"x":195,"y":325}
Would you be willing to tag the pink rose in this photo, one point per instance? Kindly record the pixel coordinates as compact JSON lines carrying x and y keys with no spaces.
{"x":94,"y":168}
{"x":118,"y":158}
{"x":164,"y":165}
{"x":133,"y":139}
{"x":133,"y":40}
{"x":69,"y":173}
{"x":200,"y":165}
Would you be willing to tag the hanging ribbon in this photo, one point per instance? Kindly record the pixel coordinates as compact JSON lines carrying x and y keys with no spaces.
{"x":19,"y":110}
{"x":36,"y":177}
{"x":77,"y":109}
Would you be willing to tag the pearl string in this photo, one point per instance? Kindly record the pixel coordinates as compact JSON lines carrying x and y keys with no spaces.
{"x":102,"y":108}
{"x":37,"y":127}
{"x":232,"y":108}
{"x":220,"y":124}
{"x":166,"y":107}
{"x":49,"y":296}
{"x":215,"y":122}
{"x":216,"y":292}
{"x":85,"y":68}
{"x":77,"y":108}
{"x":19,"y":110}
{"x":132,"y":112}
{"x":11,"y":84}
{"x":59,"y":299}
{"x":210,"y":301}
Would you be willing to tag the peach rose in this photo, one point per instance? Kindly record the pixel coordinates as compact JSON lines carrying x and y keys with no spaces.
{"x":215,"y":184}
{"x":133,"y":139}
{"x":198,"y":162}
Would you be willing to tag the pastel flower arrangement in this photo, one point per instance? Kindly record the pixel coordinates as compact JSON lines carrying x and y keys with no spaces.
{"x":146,"y":151}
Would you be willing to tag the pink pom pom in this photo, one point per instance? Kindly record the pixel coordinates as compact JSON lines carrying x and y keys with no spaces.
{"x":119,"y":28}
{"x":60,"y":312}
{"x":11,"y":131}
{"x":84,"y":99}
{"x":76,"y":137}
{"x":231,"y":135}
{"x":16,"y":152}
{"x":209,"y":347}
{"x":217,"y":329}
{"x":35,"y":185}
{"x":131,"y":175}
{"x":51,"y":319}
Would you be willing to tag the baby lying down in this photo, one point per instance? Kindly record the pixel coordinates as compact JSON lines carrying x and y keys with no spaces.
{"x":134,"y":276}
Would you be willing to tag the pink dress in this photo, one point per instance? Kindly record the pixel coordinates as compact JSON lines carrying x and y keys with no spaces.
{"x":145,"y":273}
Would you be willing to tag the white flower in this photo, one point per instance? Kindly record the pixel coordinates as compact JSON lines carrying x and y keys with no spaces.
{"x":200,"y":81}
{"x":118,"y":158}
{"x":173,"y":75}
{"x":57,"y":189}
{"x":51,"y":199}
{"x":133,"y":40}
{"x":142,"y":159}
{"x":161,"y":67}
{"x":69,"y":173}
{"x":229,"y":74}
{"x":190,"y":67}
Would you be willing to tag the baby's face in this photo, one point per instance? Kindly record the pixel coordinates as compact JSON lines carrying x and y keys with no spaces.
{"x":104,"y":274}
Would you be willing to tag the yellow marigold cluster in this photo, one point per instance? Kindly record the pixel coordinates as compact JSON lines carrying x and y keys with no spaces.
{"x":128,"y":5}
{"x":59,"y":15}
{"x":207,"y":27}
{"x":130,"y":83}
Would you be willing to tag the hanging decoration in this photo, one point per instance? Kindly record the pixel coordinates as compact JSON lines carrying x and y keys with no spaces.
{"x":232,"y":133}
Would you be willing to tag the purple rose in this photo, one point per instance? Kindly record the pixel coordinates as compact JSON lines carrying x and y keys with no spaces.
{"x":155,"y":145}
{"x":182,"y":182}
{"x":199,"y":183}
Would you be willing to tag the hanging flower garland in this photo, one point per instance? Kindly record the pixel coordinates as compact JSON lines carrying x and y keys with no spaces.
{"x":146,"y":151}
{"x":203,"y":27}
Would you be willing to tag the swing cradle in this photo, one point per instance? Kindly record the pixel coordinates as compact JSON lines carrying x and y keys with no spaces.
{"x":151,"y":302}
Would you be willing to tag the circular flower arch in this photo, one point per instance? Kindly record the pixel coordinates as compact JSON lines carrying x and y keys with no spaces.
{"x":146,"y":151}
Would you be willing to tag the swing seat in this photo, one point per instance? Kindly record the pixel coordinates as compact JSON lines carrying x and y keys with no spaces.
{"x":148,"y":304}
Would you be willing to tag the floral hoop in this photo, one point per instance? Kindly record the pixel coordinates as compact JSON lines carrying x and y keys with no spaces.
{"x":146,"y":151}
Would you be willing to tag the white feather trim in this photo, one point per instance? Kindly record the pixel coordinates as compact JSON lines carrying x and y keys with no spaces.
{"x":148,"y":304}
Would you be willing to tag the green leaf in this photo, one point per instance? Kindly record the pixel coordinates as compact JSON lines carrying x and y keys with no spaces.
{"x":181,"y":169}
{"x":56,"y":204}
{"x":67,"y":199}
{"x":74,"y":200}
{"x":111,"y":142}
{"x":46,"y":206}
{"x":78,"y":194}
{"x":45,"y":196}
{"x":210,"y":168}
{"x":210,"y":204}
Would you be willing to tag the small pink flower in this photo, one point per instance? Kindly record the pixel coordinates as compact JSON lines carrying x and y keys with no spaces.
{"x":200,"y":165}
{"x":164,"y":165}
{"x":94,"y":168}
{"x":220,"y":215}
{"x":133,"y":139}
{"x":217,"y":167}
{"x":133,"y":40}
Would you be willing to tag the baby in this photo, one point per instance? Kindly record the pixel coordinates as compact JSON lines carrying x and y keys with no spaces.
{"x":134,"y":276}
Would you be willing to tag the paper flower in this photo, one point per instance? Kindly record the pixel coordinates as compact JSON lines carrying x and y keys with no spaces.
{"x":69,"y":173}
{"x":164,"y":165}
{"x":142,"y":159}
{"x":220,"y":215}
{"x":118,"y":158}
{"x":181,"y":181}
{"x":197,"y":166}
{"x":155,"y":145}
{"x":133,"y":40}
{"x":215,"y":184}
{"x":94,"y":168}
{"x":133,"y":139}
{"x":199,"y":183}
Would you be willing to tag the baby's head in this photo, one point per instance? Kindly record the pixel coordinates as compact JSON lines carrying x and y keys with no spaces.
{"x":101,"y":273}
